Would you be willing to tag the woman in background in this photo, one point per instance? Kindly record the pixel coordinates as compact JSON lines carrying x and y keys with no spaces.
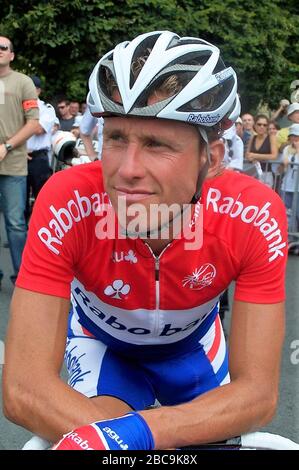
{"x":262,"y":148}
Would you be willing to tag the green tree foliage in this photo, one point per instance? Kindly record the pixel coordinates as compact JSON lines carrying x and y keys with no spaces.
{"x":61,"y":40}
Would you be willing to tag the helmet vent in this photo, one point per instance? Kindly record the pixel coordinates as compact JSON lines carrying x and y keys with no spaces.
{"x":141,"y":55}
{"x":183,"y":42}
{"x":219,"y":66}
{"x":210,"y":100}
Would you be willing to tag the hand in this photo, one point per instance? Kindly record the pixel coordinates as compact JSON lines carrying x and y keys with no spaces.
{"x":93,"y":156}
{"x":28,"y":157}
{"x":130,"y":432}
{"x":250,"y":157}
{"x":284,"y":103}
{"x":3,"y":152}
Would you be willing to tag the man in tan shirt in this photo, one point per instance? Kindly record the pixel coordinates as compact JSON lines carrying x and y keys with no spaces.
{"x":18,"y":121}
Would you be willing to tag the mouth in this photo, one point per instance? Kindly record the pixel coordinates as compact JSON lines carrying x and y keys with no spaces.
{"x":132,"y":195}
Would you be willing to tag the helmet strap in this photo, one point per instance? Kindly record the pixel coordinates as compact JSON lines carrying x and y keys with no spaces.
{"x":204,"y":171}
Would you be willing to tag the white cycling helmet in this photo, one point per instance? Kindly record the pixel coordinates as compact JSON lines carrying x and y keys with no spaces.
{"x":206,"y":95}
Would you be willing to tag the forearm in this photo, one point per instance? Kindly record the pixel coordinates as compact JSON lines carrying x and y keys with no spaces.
{"x":34,"y":395}
{"x":87,"y":142}
{"x":52,"y":411}
{"x":39,"y":130}
{"x":224,"y":412}
{"x":263,"y":157}
{"x":30,"y":128}
{"x":276,"y":114}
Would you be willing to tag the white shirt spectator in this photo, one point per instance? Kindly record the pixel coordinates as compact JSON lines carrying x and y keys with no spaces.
{"x":234,"y":149}
{"x":47,"y":118}
{"x":290,"y":178}
{"x":87,"y":125}
{"x":78,"y":120}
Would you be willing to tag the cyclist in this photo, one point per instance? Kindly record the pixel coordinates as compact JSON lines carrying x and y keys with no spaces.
{"x":144,"y":325}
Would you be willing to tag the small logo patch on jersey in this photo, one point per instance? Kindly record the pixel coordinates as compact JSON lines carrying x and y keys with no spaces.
{"x":201,"y":277}
{"x":117,"y":289}
{"x":129,"y":256}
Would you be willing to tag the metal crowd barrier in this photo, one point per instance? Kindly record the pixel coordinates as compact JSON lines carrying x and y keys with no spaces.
{"x":273,"y":176}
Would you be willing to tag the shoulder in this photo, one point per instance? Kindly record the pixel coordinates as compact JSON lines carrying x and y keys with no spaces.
{"x":246,"y":216}
{"x":69,"y":196}
{"x":24,"y":85}
{"x":283,"y":132}
{"x":22,"y":78}
{"x":242,"y":202}
{"x":47,"y":107}
{"x":66,"y":210}
{"x":82,"y":179}
{"x":289,"y":151}
{"x":239,"y":186}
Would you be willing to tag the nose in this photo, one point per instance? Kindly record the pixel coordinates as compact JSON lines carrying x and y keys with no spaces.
{"x":132,"y":162}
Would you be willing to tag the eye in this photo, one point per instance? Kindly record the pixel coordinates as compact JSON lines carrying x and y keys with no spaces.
{"x":154,"y":143}
{"x":114,"y":137}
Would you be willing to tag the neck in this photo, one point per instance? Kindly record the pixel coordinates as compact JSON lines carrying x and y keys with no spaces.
{"x":4,"y":70}
{"x":175,"y":229}
{"x":67,"y":116}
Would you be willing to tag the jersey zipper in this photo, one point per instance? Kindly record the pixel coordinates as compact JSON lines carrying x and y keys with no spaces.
{"x":157,"y":279}
{"x":156,"y":328}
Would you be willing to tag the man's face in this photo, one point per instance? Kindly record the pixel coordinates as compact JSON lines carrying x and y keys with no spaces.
{"x":150,"y":161}
{"x":74,"y":108}
{"x":248,"y":122}
{"x":63,"y":108}
{"x":294,"y":117}
{"x":76,"y":132}
{"x":6,"y":56}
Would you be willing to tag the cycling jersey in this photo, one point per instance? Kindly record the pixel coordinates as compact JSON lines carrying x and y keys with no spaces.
{"x":133,"y":301}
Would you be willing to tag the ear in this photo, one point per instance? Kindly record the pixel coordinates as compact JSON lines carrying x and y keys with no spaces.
{"x":12,"y":56}
{"x":216,"y":154}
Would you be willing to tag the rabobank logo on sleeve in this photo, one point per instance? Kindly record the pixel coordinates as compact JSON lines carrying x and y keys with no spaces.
{"x":64,"y":218}
{"x":259,"y":217}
